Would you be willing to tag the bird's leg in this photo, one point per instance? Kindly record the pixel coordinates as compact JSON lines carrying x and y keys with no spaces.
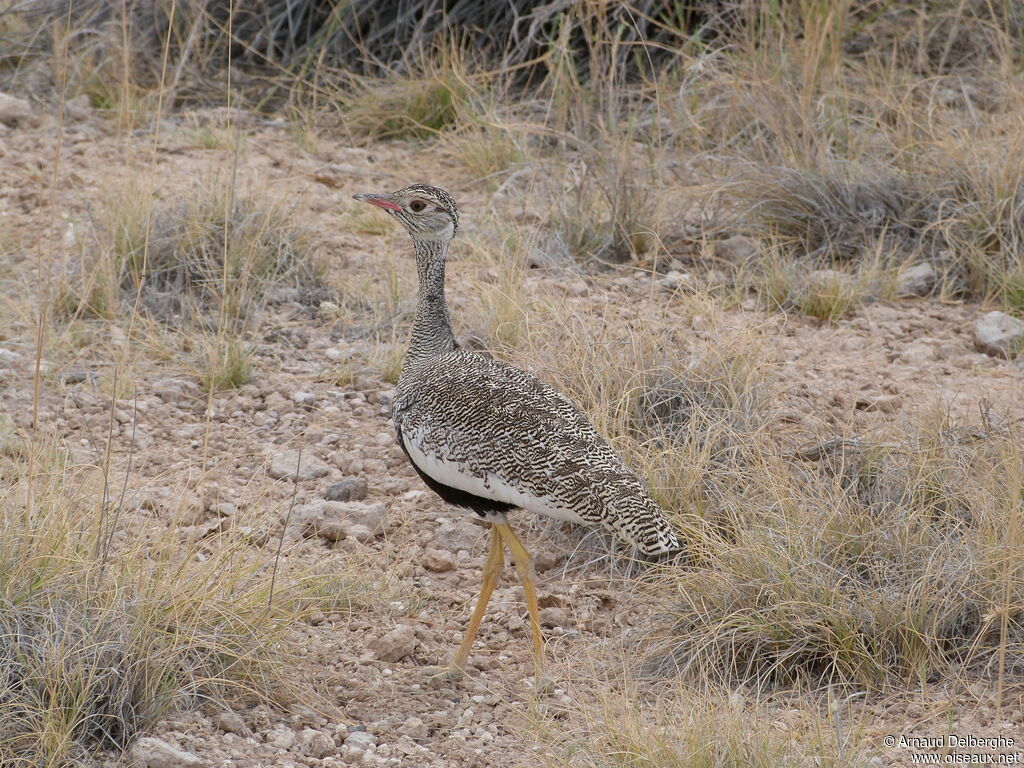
{"x":492,"y":567}
{"x":524,"y":567}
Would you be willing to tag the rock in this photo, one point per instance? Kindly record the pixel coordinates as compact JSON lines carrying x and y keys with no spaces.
{"x":336,"y":520}
{"x":151,"y":752}
{"x":287,"y":465}
{"x":281,"y":737}
{"x":438,"y":561}
{"x":373,"y":515}
{"x":316,"y":519}
{"x":361,"y":741}
{"x":230,"y":722}
{"x":883,"y":403}
{"x":918,"y":353}
{"x":918,"y":280}
{"x":736,"y":249}
{"x":554,"y":617}
{"x":454,"y":535}
{"x":361,"y":533}
{"x":675,"y":280}
{"x":182,"y":507}
{"x":999,"y":334}
{"x":78,"y":109}
{"x":253,"y":534}
{"x":278,"y":403}
{"x":317,"y":744}
{"x":15,"y":112}
{"x":8,"y":358}
{"x":349,"y":489}
{"x":303,"y":398}
{"x":395,"y":645}
{"x":415,"y":729}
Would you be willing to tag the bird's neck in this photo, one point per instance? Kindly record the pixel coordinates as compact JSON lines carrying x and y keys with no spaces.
{"x":432,"y":330}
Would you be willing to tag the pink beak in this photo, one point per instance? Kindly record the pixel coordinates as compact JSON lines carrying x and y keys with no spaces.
{"x":381,"y":201}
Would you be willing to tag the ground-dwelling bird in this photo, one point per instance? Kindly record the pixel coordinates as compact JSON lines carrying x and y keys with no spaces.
{"x":489,"y":438}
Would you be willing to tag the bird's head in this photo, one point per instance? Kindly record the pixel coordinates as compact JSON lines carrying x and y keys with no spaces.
{"x":429,"y":213}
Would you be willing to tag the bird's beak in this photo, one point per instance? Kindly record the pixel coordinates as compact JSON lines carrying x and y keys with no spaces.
{"x":381,"y":201}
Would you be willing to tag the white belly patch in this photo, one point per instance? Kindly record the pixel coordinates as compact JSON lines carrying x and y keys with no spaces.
{"x":491,"y":487}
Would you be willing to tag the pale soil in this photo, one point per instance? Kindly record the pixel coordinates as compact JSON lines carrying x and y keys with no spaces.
{"x":919,"y":351}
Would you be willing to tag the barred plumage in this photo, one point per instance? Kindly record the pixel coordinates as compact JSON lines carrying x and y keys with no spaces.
{"x":489,"y":437}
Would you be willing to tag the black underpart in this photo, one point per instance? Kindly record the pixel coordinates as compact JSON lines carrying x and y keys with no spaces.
{"x":454,"y":496}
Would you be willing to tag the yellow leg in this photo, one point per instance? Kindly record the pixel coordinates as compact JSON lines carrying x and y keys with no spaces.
{"x":524,"y":567}
{"x":492,"y":567}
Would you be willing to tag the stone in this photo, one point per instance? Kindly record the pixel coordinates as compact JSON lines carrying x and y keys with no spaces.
{"x":883,"y":403}
{"x":361,"y":533}
{"x":736,"y":249}
{"x":151,"y":752}
{"x":918,"y":280}
{"x":455,"y":535}
{"x":396,"y":645}
{"x":675,"y":280}
{"x":180,"y":506}
{"x":78,"y":109}
{"x":554,"y":617}
{"x":317,"y":744}
{"x":281,"y":737}
{"x":8,"y":358}
{"x":349,"y":489}
{"x":230,"y":722}
{"x":918,"y":353}
{"x":999,"y":334}
{"x":303,"y":398}
{"x":286,"y":465}
{"x":361,"y":741}
{"x":15,"y":112}
{"x":415,"y":729}
{"x":373,"y":515}
{"x":317,"y":519}
{"x":438,"y":561}
{"x":278,"y":403}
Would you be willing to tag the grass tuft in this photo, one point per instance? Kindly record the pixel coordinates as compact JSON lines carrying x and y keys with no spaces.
{"x":214,"y":254}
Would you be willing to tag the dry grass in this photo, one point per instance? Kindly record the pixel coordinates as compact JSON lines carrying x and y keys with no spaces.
{"x":107,"y":620}
{"x":626,"y":727}
{"x":874,"y":566}
{"x":212,"y":255}
{"x":843,"y":140}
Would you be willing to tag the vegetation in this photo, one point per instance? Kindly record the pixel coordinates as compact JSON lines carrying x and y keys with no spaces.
{"x":794,"y":156}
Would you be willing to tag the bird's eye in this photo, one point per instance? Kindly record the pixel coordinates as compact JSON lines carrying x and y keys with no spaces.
{"x":417,"y":206}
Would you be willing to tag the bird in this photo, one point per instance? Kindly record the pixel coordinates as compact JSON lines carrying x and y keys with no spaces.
{"x":490,"y":438}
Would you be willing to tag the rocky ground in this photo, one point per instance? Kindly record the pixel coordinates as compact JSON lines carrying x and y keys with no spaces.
{"x":349,"y":497}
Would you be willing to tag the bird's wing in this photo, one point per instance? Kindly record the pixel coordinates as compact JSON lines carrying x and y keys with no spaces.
{"x":494,"y":431}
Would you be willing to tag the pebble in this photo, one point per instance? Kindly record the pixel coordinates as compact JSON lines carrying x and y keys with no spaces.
{"x":349,"y":489}
{"x":151,"y":752}
{"x":230,"y":722}
{"x":282,"y":738}
{"x":415,"y":729}
{"x":438,"y":561}
{"x":397,"y":644}
{"x":999,"y":334}
{"x":287,"y":465}
{"x":918,"y":280}
{"x":883,"y":403}
{"x":317,"y":744}
{"x":361,"y":741}
{"x":8,"y":358}
{"x":15,"y":111}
